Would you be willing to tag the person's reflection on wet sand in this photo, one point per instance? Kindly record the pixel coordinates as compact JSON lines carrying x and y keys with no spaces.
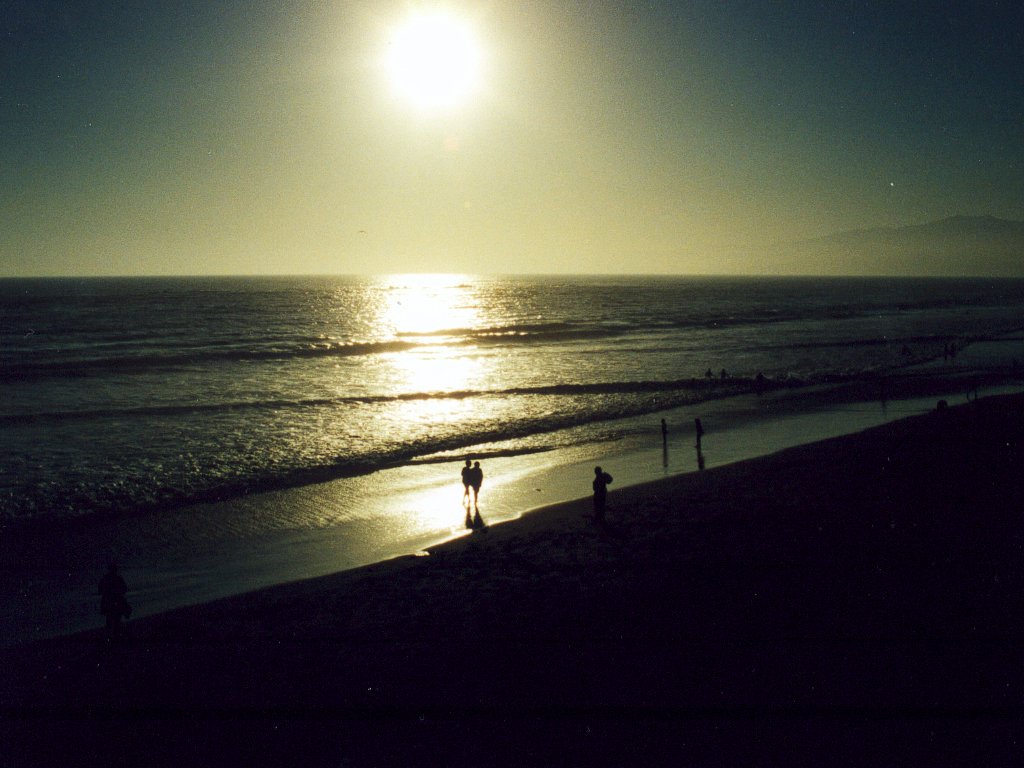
{"x":478,"y":522}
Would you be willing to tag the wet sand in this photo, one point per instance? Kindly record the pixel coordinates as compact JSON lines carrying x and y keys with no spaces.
{"x":851,"y":602}
{"x":195,"y":554}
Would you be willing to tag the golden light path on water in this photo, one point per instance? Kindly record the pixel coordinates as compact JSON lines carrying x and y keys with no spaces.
{"x":429,"y":304}
{"x":432,"y":310}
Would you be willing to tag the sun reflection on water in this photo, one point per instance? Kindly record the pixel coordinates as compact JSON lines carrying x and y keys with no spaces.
{"x":433,"y":509}
{"x":430,"y":305}
{"x":434,"y":312}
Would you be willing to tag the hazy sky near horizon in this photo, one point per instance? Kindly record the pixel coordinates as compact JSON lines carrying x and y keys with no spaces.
{"x":153,"y":137}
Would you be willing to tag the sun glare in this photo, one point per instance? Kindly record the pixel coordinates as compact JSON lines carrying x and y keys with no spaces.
{"x":434,"y":59}
{"x":431,"y":310}
{"x":428,"y":304}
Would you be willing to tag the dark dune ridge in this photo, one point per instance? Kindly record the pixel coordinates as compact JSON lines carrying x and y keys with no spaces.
{"x":856,"y":601}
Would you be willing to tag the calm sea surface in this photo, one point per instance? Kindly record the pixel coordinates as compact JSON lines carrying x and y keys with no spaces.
{"x":128,"y":394}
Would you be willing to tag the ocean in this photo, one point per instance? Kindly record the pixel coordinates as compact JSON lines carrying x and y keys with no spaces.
{"x":128,"y":395}
{"x":216,"y":435}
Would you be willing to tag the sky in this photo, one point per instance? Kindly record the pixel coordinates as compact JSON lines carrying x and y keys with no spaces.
{"x":144,"y":137}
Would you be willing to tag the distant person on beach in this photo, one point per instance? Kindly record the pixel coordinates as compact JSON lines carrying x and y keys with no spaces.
{"x":698,"y":428}
{"x":664,"y":443}
{"x":601,"y":480}
{"x":759,"y":382}
{"x":113,"y":603}
{"x":476,"y":479}
{"x":467,"y":472}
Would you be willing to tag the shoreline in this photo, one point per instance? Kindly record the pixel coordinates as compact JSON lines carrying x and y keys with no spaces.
{"x":833,"y":599}
{"x":178,"y":560}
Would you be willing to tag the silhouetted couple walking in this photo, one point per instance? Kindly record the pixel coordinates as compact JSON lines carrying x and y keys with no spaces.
{"x":472,"y":479}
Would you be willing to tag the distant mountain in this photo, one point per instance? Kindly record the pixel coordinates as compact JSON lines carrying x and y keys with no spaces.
{"x":957,"y":246}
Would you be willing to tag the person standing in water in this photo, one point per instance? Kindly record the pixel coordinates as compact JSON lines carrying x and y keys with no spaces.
{"x":601,"y":480}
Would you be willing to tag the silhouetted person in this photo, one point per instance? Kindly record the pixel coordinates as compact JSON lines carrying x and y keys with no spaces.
{"x":723,"y":375}
{"x":476,"y":479}
{"x":700,"y":457}
{"x":708,"y":374}
{"x":113,"y":604}
{"x":698,"y":428}
{"x":664,"y":443}
{"x":601,"y":480}
{"x":467,"y":472}
{"x":759,"y":383}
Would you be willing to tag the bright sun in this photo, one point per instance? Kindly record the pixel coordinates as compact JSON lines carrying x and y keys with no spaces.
{"x":434,"y":59}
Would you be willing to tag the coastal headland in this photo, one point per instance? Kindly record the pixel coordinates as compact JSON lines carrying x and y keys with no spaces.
{"x":852,"y":602}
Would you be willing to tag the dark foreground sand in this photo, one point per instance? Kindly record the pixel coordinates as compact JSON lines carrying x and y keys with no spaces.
{"x":853,"y":602}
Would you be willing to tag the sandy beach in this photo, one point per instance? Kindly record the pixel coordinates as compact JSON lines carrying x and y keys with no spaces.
{"x":468,"y":384}
{"x":199,"y":553}
{"x":854,"y":601}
